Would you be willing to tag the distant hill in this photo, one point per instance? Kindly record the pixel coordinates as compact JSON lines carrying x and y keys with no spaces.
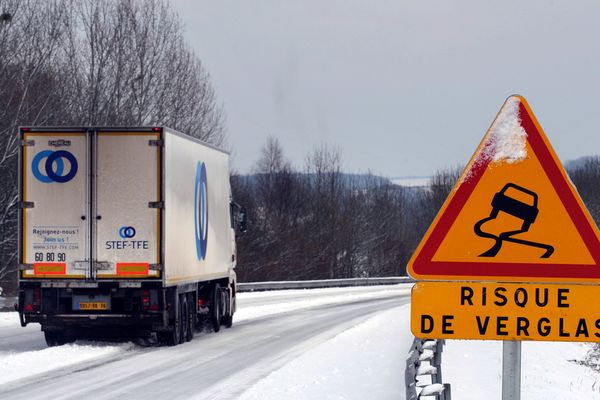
{"x":362,"y":180}
{"x":411,"y":181}
{"x":579,"y":162}
{"x":356,"y":180}
{"x":423,"y":181}
{"x":415,"y":182}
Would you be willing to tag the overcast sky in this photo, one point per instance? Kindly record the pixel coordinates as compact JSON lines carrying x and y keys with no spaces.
{"x":402,"y":88}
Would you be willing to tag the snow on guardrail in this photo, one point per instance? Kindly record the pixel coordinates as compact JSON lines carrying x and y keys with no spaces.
{"x":325,"y":283}
{"x":7,"y":303}
{"x":423,"y":376}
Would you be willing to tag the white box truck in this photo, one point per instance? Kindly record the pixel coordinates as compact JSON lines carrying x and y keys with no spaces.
{"x":126,"y":231}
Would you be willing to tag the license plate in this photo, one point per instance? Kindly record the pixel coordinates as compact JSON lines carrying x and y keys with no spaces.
{"x":93,"y":306}
{"x":91,"y":302}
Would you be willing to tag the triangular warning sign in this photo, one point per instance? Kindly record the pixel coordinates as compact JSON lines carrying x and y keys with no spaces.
{"x":513,"y":215}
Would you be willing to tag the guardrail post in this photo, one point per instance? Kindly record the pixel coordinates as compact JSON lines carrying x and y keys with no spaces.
{"x":410,"y":374}
{"x":447,"y":395}
{"x":423,"y":371}
{"x":438,"y":358}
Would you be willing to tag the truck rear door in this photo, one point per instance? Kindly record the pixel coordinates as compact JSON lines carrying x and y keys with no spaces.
{"x":55,"y":207}
{"x":127,"y":204}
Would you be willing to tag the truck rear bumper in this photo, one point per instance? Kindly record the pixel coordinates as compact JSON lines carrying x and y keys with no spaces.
{"x":141,"y":321}
{"x":63,"y":307}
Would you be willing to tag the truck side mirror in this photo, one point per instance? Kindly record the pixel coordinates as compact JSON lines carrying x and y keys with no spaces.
{"x":243,"y":220}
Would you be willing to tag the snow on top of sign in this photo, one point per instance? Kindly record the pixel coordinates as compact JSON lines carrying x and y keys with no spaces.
{"x":506,"y":140}
{"x":507,"y":137}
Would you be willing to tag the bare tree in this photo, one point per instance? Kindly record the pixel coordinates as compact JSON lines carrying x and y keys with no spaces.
{"x":272,"y":159}
{"x":131,"y":66}
{"x":30,"y":37}
{"x":323,"y":223}
{"x":319,"y":223}
{"x":586,"y":178}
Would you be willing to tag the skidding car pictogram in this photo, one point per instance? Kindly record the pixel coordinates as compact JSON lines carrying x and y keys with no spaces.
{"x":526,"y":212}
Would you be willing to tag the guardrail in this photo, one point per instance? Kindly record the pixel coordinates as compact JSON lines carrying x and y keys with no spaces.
{"x":7,"y":303}
{"x":423,"y":376}
{"x":326,"y":283}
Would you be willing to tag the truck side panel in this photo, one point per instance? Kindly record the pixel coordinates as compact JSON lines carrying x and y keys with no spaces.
{"x":197,"y":186}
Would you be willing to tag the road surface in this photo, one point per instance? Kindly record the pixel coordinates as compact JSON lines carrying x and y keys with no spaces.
{"x":270,"y":330}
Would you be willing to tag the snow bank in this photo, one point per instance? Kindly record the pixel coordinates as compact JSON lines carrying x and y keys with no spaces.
{"x":365,"y":362}
{"x":474,"y":369}
{"x":14,"y":366}
{"x":9,"y":318}
{"x":313,"y":298}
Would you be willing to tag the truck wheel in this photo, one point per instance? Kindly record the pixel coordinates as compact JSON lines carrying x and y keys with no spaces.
{"x":185,"y":319}
{"x":167,"y":338}
{"x":228,"y":319}
{"x":191,"y":319}
{"x":55,"y":338}
{"x":173,"y":336}
{"x":215,"y":309}
{"x":182,"y":317}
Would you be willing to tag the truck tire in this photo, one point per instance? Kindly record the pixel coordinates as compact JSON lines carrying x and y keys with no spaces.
{"x":55,"y":338}
{"x":185,"y":319}
{"x":173,"y":336}
{"x":228,"y":318}
{"x":215,"y":308}
{"x":168,"y":338}
{"x":191,"y":318}
{"x":182,"y":317}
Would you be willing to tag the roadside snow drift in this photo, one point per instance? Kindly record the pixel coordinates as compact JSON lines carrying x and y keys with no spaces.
{"x":549,"y":370}
{"x":365,"y":362}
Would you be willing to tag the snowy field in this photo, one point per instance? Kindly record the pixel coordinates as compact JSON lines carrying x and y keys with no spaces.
{"x":548,"y":371}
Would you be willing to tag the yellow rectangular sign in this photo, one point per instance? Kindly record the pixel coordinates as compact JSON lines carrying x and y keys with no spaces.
{"x":506,"y":311}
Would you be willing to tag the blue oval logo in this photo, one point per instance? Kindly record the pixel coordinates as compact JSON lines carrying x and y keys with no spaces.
{"x":54,"y":166}
{"x":201,"y":211}
{"x":127,"y":232}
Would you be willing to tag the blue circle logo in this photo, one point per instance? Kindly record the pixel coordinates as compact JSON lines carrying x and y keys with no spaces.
{"x":201,"y":211}
{"x":54,"y":166}
{"x":127,"y":232}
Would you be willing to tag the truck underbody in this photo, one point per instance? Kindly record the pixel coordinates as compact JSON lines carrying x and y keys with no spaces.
{"x":133,"y":309}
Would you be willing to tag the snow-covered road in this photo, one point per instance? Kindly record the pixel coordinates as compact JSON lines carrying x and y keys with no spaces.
{"x":280,"y":344}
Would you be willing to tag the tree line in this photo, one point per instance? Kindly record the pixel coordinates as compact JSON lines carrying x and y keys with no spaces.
{"x":99,"y":63}
{"x":319,"y":223}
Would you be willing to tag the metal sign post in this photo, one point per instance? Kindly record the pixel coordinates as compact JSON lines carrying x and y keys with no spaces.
{"x":511,"y":370}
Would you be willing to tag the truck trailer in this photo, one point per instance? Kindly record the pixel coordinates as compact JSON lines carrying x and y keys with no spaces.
{"x":126,"y":232}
